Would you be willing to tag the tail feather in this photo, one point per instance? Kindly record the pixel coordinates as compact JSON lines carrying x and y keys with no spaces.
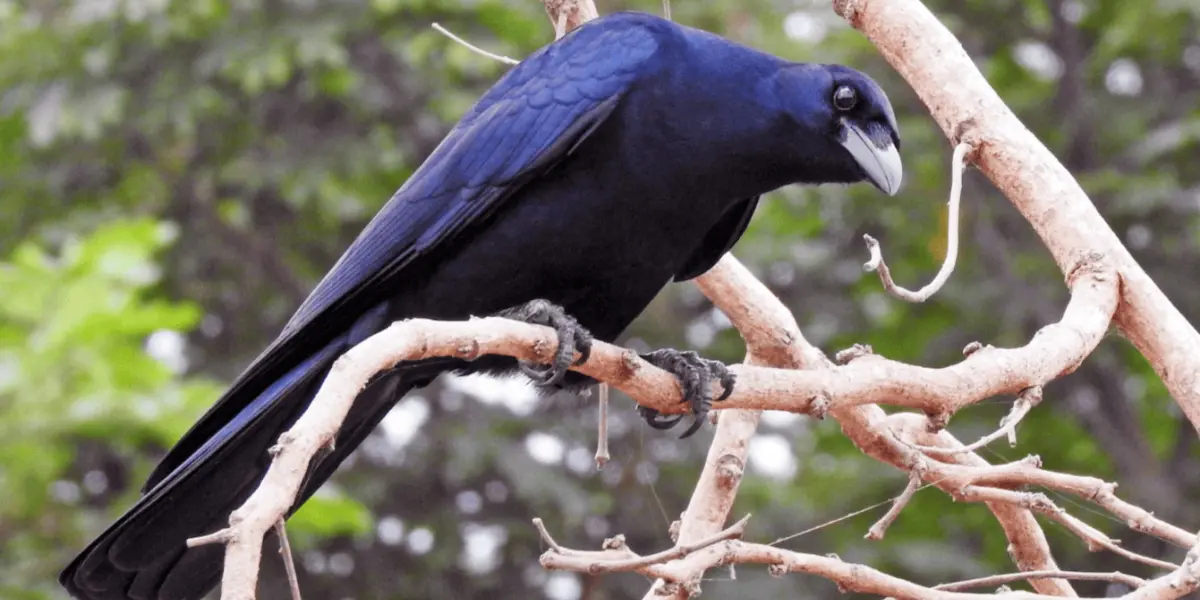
{"x":147,"y":582}
{"x":144,"y":555}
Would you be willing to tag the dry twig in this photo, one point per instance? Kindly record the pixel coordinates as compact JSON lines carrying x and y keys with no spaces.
{"x":995,"y":580}
{"x":602,"y":456}
{"x":723,"y":549}
{"x":1029,"y":398}
{"x":876,"y":263}
{"x":877,"y":530}
{"x":1094,"y":538}
{"x":289,"y":563}
{"x":476,"y":49}
{"x":617,"y":557}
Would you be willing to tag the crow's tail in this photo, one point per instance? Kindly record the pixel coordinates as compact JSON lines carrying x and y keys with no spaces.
{"x":144,"y":556}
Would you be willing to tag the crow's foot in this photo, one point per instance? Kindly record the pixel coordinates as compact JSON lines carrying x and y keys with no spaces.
{"x":695,"y":375}
{"x":572,"y":337}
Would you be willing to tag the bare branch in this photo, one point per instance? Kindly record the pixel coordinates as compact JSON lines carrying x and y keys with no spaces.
{"x":852,"y":577}
{"x":1028,"y":471}
{"x":1029,"y":544}
{"x":1028,"y":399}
{"x":223,"y":536}
{"x":876,"y":263}
{"x":967,"y":109}
{"x":995,"y":580}
{"x":617,"y":557}
{"x":1094,"y":538}
{"x":914,"y":483}
{"x":721,"y":549}
{"x":546,"y":537}
{"x":890,"y":438}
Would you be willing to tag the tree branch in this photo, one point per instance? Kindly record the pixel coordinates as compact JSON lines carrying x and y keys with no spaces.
{"x":722,"y":549}
{"x":968,"y":110}
{"x":995,"y":580}
{"x":1029,"y":398}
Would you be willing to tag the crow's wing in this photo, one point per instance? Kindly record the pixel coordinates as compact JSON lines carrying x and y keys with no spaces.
{"x":719,"y":240}
{"x":528,"y":121}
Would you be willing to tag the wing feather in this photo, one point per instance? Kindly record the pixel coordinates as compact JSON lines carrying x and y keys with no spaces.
{"x":527,"y":121}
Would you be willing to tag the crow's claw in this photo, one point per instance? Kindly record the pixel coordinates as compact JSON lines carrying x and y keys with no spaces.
{"x":695,"y":375}
{"x":572,"y":337}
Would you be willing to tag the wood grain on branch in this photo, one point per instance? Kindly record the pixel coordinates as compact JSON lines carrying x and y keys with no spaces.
{"x":968,"y":110}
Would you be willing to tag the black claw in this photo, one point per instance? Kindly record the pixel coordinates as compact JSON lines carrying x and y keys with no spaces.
{"x":695,"y":375}
{"x":572,"y":337}
{"x":728,"y":379}
{"x":695,"y":426}
{"x":656,"y":420}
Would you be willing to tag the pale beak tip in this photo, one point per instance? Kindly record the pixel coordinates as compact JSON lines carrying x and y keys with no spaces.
{"x":888,"y":171}
{"x":881,"y":165}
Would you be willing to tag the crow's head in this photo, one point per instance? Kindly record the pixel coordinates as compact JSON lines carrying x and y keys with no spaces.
{"x":848,"y":131}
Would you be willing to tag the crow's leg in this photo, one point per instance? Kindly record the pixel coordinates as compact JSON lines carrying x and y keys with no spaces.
{"x":572,"y":337}
{"x":695,"y":375}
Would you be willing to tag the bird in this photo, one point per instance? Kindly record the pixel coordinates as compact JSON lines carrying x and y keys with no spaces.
{"x":628,"y":154}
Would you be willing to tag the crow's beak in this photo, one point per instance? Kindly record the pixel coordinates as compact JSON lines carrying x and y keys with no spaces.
{"x":876,"y":154}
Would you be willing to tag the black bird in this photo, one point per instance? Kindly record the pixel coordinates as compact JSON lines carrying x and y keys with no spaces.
{"x":630,"y":153}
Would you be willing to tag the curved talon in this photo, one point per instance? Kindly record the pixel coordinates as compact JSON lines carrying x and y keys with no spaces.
{"x":695,"y":375}
{"x":728,"y":379}
{"x":571,"y":335}
{"x":540,"y":374}
{"x":656,"y":419}
{"x":583,"y":345}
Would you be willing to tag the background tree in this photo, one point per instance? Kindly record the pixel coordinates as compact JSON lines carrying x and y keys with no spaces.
{"x":178,"y":175}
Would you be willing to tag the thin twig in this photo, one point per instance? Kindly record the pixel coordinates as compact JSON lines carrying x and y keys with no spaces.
{"x":1095,"y":537}
{"x":877,"y":530}
{"x":1040,"y":503}
{"x":667,"y":9}
{"x":546,"y":537}
{"x":732,"y":532}
{"x":223,"y":536}
{"x":617,"y":557}
{"x":970,"y":470}
{"x":849,"y":576}
{"x":285,"y":551}
{"x":1028,"y":399}
{"x":602,"y":456}
{"x":878,"y":264}
{"x":995,"y":580}
{"x":476,"y":49}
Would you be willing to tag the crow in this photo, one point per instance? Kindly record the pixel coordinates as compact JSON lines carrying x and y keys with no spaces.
{"x":628,"y":154}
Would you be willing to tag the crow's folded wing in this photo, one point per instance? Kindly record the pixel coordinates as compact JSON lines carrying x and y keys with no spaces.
{"x":534,"y":117}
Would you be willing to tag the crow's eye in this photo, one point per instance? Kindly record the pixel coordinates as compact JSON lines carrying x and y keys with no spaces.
{"x":844,"y":98}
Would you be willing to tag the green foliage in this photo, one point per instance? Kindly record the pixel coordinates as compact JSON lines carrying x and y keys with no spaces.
{"x":328,"y":513}
{"x":73,"y":369}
